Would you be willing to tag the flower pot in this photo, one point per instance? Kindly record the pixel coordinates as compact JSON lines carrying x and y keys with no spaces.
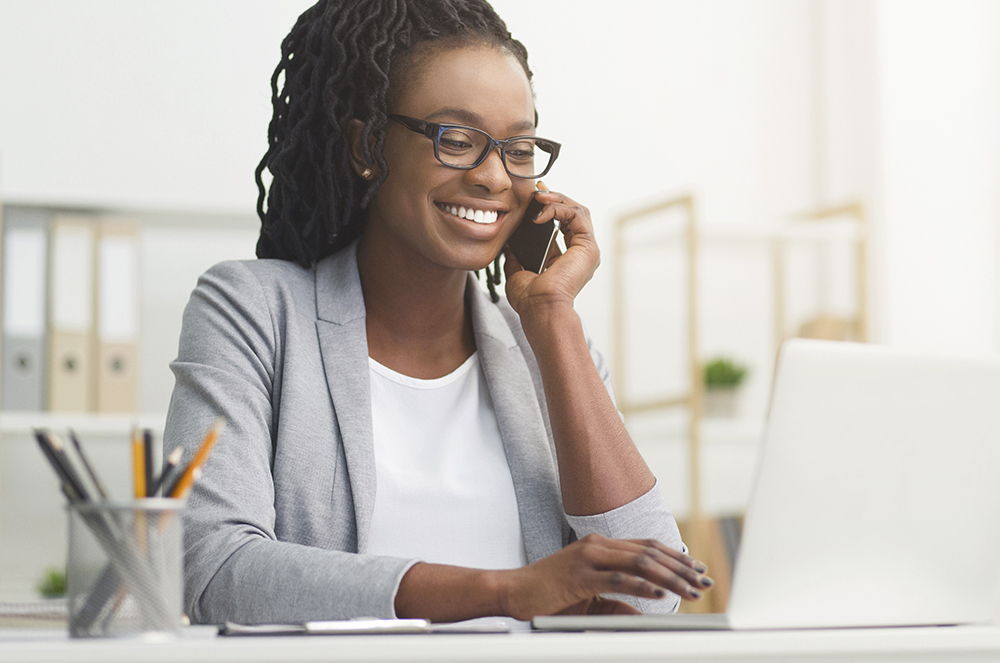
{"x":721,"y":402}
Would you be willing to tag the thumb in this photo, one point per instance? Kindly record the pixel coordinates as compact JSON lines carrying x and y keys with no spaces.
{"x":511,"y":265}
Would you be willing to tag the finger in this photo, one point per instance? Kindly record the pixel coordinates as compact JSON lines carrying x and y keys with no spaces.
{"x":650,"y":565}
{"x":511,"y":265}
{"x":554,"y":197}
{"x":621,"y":582}
{"x":574,"y":223}
{"x":687,"y":560}
{"x":680,"y":567}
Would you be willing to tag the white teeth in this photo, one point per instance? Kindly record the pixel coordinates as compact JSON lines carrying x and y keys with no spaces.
{"x":484,"y":217}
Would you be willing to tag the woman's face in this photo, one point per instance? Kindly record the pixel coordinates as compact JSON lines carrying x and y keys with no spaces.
{"x":481,"y":87}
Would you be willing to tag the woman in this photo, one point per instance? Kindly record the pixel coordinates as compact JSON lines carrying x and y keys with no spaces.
{"x":398,"y":442}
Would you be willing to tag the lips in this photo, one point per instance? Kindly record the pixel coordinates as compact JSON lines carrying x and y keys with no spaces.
{"x":481,"y":216}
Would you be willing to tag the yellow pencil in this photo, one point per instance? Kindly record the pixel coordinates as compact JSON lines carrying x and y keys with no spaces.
{"x":183,"y":484}
{"x":138,"y":464}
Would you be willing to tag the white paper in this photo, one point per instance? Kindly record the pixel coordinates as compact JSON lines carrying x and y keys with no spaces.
{"x":72,"y":278}
{"x":24,"y":282}
{"x":119,"y":315}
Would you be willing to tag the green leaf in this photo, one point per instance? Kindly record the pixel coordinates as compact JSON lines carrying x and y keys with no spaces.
{"x":723,"y":372}
{"x":53,"y":584}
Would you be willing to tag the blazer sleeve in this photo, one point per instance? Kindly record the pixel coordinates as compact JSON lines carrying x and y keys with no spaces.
{"x":235,"y":568}
{"x":646,"y":517}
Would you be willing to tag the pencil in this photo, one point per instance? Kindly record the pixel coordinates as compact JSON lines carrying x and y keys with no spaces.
{"x":147,"y":456}
{"x":183,"y":484}
{"x":138,"y":465}
{"x":71,"y":493}
{"x":62,"y":459}
{"x":168,"y":467}
{"x":87,"y":466}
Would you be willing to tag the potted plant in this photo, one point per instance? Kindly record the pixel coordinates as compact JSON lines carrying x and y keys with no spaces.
{"x":723,"y":377}
{"x":52,"y":584}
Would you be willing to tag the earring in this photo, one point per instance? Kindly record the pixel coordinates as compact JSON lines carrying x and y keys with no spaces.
{"x":367,"y":174}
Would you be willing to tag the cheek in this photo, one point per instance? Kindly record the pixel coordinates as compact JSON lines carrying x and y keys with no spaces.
{"x":523,"y":189}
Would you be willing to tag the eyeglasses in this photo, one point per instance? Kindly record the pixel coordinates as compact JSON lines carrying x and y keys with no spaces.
{"x":462,"y":147}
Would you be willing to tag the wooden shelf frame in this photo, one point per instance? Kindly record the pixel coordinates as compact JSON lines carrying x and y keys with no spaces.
{"x":701,"y":536}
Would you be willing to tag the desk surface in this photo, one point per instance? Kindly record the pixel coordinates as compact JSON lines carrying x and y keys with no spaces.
{"x":952,"y":644}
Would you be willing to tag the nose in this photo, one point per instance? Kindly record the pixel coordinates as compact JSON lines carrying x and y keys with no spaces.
{"x":490,"y":175}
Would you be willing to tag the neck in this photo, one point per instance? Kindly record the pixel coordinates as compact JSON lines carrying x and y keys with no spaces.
{"x":416,"y":316}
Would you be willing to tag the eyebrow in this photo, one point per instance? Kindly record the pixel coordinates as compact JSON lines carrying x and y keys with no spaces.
{"x":474,"y":119}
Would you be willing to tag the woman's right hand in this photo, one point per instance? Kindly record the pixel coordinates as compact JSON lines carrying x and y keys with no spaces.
{"x":573,"y":578}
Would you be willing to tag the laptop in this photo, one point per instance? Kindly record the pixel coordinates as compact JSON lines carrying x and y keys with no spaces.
{"x":876,"y":501}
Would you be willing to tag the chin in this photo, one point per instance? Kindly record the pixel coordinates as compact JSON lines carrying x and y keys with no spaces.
{"x":474,"y":261}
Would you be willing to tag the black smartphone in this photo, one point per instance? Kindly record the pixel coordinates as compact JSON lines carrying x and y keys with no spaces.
{"x":531,"y":242}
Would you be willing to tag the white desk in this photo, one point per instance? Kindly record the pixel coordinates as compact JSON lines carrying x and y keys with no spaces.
{"x":951,"y":644}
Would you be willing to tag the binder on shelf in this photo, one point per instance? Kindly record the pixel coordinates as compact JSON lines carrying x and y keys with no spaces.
{"x":25,"y":245}
{"x":117,"y":302}
{"x":71,"y":314}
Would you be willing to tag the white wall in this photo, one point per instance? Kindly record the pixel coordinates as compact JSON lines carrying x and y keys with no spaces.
{"x":939,"y":104}
{"x":910,"y":123}
{"x":145,"y":104}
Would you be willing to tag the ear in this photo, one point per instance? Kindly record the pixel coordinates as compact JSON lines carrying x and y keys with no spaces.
{"x":358,"y":161}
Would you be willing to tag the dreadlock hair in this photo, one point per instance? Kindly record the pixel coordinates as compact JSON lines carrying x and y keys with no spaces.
{"x":339,"y":63}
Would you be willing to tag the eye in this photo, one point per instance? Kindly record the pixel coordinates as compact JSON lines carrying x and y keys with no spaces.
{"x":455,"y":140}
{"x":521,"y":151}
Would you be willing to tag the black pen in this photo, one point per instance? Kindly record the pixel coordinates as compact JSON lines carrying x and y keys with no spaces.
{"x":64,"y":484}
{"x":168,"y":469}
{"x":147,"y":452}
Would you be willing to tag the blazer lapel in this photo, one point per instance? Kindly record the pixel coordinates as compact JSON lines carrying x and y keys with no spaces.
{"x":343,"y":345}
{"x":522,"y":428}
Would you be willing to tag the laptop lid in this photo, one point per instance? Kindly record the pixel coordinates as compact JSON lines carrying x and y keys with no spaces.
{"x":877,"y":496}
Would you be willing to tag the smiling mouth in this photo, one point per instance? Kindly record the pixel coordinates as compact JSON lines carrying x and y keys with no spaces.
{"x":480,"y":216}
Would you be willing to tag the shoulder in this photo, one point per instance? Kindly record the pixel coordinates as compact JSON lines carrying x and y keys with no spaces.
{"x":263,"y":274}
{"x":250,"y":299}
{"x":255,"y":284}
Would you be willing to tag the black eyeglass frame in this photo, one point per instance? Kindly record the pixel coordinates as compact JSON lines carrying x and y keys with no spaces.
{"x":434,"y":131}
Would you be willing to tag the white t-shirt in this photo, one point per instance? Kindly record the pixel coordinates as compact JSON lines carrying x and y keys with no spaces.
{"x":443,"y":488}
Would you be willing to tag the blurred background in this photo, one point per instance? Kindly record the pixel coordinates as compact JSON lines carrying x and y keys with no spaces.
{"x":755,"y":170}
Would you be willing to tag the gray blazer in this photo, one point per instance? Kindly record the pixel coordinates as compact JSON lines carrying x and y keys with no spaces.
{"x":276,"y":528}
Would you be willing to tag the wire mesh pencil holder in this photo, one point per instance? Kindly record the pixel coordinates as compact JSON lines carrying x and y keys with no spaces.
{"x":124,"y":568}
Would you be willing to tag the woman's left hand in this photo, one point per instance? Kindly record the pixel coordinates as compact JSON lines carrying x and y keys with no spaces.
{"x":565,"y":274}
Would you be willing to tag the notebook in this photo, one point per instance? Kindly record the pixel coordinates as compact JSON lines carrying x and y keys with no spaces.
{"x":876,"y":500}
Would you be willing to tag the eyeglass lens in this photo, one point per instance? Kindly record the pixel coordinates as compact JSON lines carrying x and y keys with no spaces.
{"x":462,"y":147}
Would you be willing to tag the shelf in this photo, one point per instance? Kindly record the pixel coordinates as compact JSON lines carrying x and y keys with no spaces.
{"x":84,"y":423}
{"x":763,"y":234}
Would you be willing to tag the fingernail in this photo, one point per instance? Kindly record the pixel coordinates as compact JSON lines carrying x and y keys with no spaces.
{"x":659,"y":593}
{"x":699,"y":567}
{"x":706,"y":581}
{"x":695,"y":593}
